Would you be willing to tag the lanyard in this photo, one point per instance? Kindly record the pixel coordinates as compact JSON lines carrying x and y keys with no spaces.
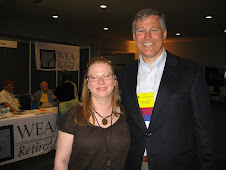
{"x":108,"y":148}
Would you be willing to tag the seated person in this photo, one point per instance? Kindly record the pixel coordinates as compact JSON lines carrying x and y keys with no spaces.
{"x":43,"y":97}
{"x":7,"y":98}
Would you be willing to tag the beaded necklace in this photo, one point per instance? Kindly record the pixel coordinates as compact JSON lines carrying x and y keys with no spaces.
{"x":104,"y":119}
{"x":108,"y":148}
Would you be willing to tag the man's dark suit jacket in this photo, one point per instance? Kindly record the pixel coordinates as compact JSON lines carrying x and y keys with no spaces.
{"x":181,"y":129}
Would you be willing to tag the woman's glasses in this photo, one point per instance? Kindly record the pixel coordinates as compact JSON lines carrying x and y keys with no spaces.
{"x":92,"y":78}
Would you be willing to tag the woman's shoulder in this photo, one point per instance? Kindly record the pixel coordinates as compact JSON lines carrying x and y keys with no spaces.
{"x":70,"y":114}
{"x":67,"y":122}
{"x":69,"y":84}
{"x":74,"y":109}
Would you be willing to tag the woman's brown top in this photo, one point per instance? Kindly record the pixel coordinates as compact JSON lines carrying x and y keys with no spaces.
{"x":89,"y":149}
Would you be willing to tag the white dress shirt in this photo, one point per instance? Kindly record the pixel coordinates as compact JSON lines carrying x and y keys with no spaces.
{"x":10,"y":98}
{"x":149,"y":78}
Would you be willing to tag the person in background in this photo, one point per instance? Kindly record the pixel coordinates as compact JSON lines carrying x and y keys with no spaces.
{"x":7,"y":98}
{"x":167,"y":103}
{"x":43,"y":97}
{"x":66,"y":93}
{"x":94,"y":134}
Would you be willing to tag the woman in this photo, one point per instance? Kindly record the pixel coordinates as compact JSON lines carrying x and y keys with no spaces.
{"x":94,"y":134}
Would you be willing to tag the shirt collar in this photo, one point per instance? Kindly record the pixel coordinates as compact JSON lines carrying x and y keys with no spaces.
{"x":157,"y":63}
{"x":44,"y":92}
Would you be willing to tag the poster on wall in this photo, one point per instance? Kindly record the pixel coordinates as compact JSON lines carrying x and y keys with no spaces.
{"x":51,"y":57}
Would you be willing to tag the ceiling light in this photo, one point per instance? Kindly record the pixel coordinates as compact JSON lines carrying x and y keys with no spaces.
{"x":55,"y":16}
{"x":208,"y":17}
{"x":103,"y":6}
{"x":178,"y":34}
{"x":224,"y":30}
{"x":105,"y":29}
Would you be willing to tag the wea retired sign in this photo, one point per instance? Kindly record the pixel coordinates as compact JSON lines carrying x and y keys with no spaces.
{"x":51,"y":57}
{"x":25,"y":137}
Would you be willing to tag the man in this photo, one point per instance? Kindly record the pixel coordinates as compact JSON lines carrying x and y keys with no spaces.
{"x":7,"y":98}
{"x":43,"y":97}
{"x":167,"y":104}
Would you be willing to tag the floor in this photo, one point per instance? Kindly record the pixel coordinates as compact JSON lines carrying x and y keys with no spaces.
{"x":45,"y":162}
{"x":42,"y":162}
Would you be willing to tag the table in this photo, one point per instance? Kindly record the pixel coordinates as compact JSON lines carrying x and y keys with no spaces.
{"x":27,"y":134}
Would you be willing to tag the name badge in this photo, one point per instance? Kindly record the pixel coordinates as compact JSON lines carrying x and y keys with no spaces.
{"x":146,"y":102}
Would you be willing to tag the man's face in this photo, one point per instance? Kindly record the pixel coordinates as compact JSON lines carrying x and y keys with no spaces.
{"x":44,"y":86}
{"x":10,"y":88}
{"x":149,"y":37}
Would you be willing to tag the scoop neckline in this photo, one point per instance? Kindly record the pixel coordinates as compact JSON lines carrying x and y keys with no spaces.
{"x":108,"y":126}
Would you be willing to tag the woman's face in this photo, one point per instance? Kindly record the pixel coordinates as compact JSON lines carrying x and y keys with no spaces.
{"x":100,"y":81}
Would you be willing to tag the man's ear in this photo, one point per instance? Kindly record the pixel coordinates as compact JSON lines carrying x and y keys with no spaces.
{"x":165,"y":34}
{"x":134,"y":37}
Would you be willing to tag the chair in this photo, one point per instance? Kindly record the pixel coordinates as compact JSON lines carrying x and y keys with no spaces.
{"x":25,"y":101}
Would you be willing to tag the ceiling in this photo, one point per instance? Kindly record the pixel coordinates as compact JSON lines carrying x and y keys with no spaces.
{"x":184,"y":16}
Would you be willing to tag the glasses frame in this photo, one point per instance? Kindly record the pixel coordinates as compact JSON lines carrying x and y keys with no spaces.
{"x":87,"y":78}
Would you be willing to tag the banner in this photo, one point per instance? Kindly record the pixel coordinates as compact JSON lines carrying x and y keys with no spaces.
{"x":27,"y":136}
{"x":51,"y":57}
{"x":8,"y":44}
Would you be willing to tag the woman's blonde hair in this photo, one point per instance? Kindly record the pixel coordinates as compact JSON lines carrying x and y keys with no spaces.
{"x":83,"y":116}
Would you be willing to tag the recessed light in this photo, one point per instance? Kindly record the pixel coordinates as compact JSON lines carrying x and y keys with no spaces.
{"x":208,"y":17}
{"x":105,"y":29}
{"x":55,"y":16}
{"x":178,"y":34}
{"x":224,"y":30}
{"x":103,"y":6}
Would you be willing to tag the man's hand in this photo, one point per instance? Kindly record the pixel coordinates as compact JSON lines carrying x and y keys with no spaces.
{"x":6,"y":104}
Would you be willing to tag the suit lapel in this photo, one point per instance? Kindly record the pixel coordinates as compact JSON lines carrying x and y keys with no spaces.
{"x":137,"y":116}
{"x":166,"y":85}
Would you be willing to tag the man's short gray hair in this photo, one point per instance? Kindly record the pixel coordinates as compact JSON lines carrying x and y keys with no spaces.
{"x":143,"y":14}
